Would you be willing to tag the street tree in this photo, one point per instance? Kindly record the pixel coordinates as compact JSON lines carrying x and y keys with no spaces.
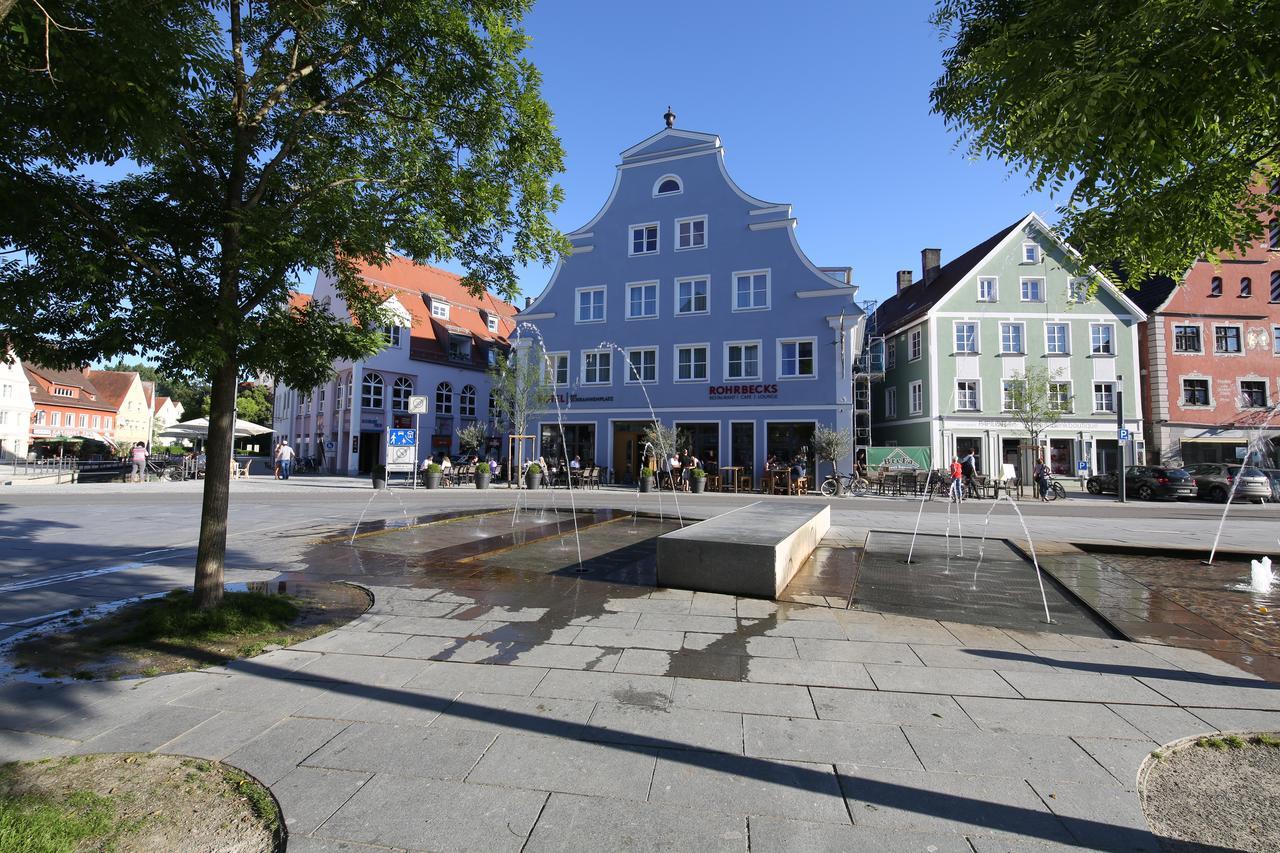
{"x":521,"y":386}
{"x":1158,"y":119}
{"x":163,"y":190}
{"x":831,"y":445}
{"x":1033,"y":402}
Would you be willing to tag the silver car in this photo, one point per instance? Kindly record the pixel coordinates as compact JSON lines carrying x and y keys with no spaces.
{"x":1216,"y":480}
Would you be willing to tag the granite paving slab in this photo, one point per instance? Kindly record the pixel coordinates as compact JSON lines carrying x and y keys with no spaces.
{"x":436,"y":753}
{"x":1016,"y":756}
{"x":1098,"y":818}
{"x":777,"y":835}
{"x":650,"y":690}
{"x":494,"y":714}
{"x":1034,"y":716}
{"x":221,"y":734}
{"x":309,"y":796}
{"x":24,"y":746}
{"x":674,"y":727}
{"x":1121,"y":758}
{"x":819,"y":673}
{"x":566,"y":765}
{"x":1084,"y":687}
{"x":148,"y":730}
{"x":274,"y":754}
{"x":734,"y":784}
{"x":1161,"y":724}
{"x":783,"y":700}
{"x":860,"y":652}
{"x":937,"y":679}
{"x":827,"y":742}
{"x":882,"y":707}
{"x":454,"y":678}
{"x":571,"y":822}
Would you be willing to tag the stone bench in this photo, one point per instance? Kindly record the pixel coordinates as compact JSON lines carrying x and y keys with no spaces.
{"x":754,"y":550}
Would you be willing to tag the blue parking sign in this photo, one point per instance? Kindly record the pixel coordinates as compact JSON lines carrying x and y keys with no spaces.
{"x":402,"y":438}
{"x":1082,"y":466}
{"x":1124,"y":434}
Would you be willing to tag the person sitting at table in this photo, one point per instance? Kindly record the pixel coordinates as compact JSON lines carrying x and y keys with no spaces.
{"x":709,"y":464}
{"x":576,"y":464}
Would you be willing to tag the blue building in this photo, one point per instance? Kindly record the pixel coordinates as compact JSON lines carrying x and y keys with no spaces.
{"x":734,"y":335}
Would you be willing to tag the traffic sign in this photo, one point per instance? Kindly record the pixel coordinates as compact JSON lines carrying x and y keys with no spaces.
{"x":1082,"y":466}
{"x":417,"y":405}
{"x":1124,"y":434}
{"x":402,"y":438}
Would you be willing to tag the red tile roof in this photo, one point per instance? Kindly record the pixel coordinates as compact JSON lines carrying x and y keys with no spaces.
{"x":42,"y":380}
{"x":112,"y":385}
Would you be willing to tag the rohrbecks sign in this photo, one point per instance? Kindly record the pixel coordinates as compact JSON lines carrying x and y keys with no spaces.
{"x":757,"y":390}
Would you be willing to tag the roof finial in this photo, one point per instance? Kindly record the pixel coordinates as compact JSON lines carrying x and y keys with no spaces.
{"x":670,"y":117}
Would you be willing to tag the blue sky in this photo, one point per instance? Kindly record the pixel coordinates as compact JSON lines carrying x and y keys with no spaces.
{"x":824,"y":105}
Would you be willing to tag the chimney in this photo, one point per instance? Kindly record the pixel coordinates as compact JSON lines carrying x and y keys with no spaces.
{"x":528,"y":300}
{"x":930,"y":260}
{"x":904,"y":280}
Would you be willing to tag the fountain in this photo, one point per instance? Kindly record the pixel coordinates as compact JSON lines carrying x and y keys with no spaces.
{"x":355,"y":530}
{"x":1031,"y":546}
{"x":1253,"y":448}
{"x":1260,"y":576}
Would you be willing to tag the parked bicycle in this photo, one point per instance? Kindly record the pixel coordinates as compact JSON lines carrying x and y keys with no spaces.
{"x":1056,"y":490}
{"x":838,"y":485}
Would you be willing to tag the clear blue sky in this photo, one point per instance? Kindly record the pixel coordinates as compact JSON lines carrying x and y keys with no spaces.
{"x":824,"y":105}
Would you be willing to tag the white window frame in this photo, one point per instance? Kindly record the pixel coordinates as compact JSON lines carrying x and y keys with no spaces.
{"x":995,"y":287}
{"x":813,"y":356}
{"x":675,"y":363}
{"x":890,"y":354}
{"x":691,"y":219}
{"x":629,"y":377}
{"x":1208,"y":392}
{"x":1077,"y":291}
{"x":491,"y":322}
{"x":577,"y":305}
{"x":915,"y":345}
{"x":759,"y":374}
{"x":1266,"y":392}
{"x":553,"y":368}
{"x":687,"y":280}
{"x":664,"y":178}
{"x":1006,"y":402}
{"x":439,"y":309}
{"x":977,"y":395}
{"x":1239,"y":337}
{"x":631,"y":239}
{"x":657,"y":298}
{"x":1275,"y":340}
{"x":891,"y":402}
{"x":1100,"y":411}
{"x":1173,"y":337}
{"x":1071,"y":394}
{"x":392,"y":333}
{"x":1066,"y":338}
{"x":915,"y":397}
{"x":768,"y":289}
{"x":974,"y":340}
{"x":1022,"y":337}
{"x":1024,"y":281}
{"x":582,"y":379}
{"x":1093,"y":347}
{"x":1035,"y":256}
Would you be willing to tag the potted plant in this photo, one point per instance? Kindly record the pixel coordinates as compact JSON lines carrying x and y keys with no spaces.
{"x":533,"y":476}
{"x":379,"y":476}
{"x":646,"y":479}
{"x":432,"y":477}
{"x":482,"y":475}
{"x":697,"y":481}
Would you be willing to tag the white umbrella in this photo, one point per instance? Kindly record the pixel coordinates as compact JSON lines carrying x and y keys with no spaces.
{"x":199,"y":428}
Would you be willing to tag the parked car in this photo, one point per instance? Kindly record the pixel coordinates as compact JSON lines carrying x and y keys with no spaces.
{"x":1273,"y":474}
{"x":1216,"y":480}
{"x":1147,"y":482}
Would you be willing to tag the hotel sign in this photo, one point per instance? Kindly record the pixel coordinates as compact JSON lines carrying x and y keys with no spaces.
{"x":758,"y":391}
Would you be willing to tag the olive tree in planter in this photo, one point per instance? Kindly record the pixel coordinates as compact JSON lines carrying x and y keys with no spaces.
{"x":697,"y":480}
{"x":472,"y":438}
{"x":519,"y":385}
{"x":646,"y":479}
{"x":831,"y":445}
{"x":533,"y":476}
{"x":432,"y":478}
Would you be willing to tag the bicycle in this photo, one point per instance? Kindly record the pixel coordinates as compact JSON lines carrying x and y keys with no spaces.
{"x":837,"y":484}
{"x":1055,"y":491}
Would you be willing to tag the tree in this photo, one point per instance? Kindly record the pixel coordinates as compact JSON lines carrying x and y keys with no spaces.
{"x":252,"y":141}
{"x":1162,"y":162}
{"x":193,"y":397}
{"x":831,"y":445}
{"x":1032,"y":404}
{"x":255,"y":404}
{"x":473,"y":437}
{"x":664,"y":440}
{"x":520,"y":387}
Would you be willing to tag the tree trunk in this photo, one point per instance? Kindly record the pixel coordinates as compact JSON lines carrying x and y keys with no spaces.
{"x":217,"y":486}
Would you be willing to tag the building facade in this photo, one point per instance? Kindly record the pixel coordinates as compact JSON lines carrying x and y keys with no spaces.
{"x":1211,"y":358}
{"x":440,"y":345}
{"x":127,"y":393}
{"x":687,"y":299}
{"x":15,"y":409}
{"x":68,"y":405}
{"x":167,"y":412}
{"x":957,"y":341}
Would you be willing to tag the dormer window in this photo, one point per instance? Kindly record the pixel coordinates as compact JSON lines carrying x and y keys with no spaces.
{"x":1030,"y":253}
{"x":491,"y":321}
{"x":439,"y":309}
{"x":668,"y":185}
{"x":459,"y":347}
{"x":59,"y":391}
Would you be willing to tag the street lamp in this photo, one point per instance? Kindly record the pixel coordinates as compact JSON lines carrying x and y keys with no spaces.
{"x":1119,"y":440}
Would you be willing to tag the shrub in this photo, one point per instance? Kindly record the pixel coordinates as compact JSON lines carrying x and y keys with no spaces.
{"x":646,"y":472}
{"x":433,"y":468}
{"x":534,"y":468}
{"x":697,"y":474}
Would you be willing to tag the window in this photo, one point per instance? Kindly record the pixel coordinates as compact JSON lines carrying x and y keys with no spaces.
{"x":444,"y":399}
{"x":966,"y":337}
{"x":371,"y":391}
{"x":742,"y":361}
{"x":1104,"y":396}
{"x":1186,"y":339}
{"x":891,"y":354}
{"x":1253,"y":394}
{"x":642,"y":365}
{"x":915,"y":396}
{"x":84,"y":421}
{"x":691,"y":233}
{"x":644,"y":239}
{"x":691,"y":363}
{"x":1195,"y":392}
{"x":1246,"y":287}
{"x":1275,"y":343}
{"x":795,"y":359}
{"x":1275,"y":286}
{"x":1102,"y":339}
{"x":1057,"y":338}
{"x":1032,"y":289}
{"x":967,"y":395}
{"x":1060,"y":396}
{"x":97,"y":422}
{"x":591,"y":305}
{"x":597,"y":367}
{"x":491,"y":321}
{"x":558,"y":362}
{"x":915,"y":345}
{"x":1011,"y":394}
{"x":668,"y":185}
{"x":467,"y":401}
{"x":891,"y":402}
{"x":460,"y":347}
{"x":59,"y":391}
{"x":987,"y":289}
{"x":642,"y":300}
{"x":750,"y":291}
{"x":691,"y":296}
{"x":491,"y":356}
{"x":1226,"y":339}
{"x":1030,"y":253}
{"x":439,"y":309}
{"x":57,"y":419}
{"x":401,"y":390}
{"x":1215,"y":286}
{"x":40,"y":417}
{"x":1011,"y":339}
{"x":1273,"y":234}
{"x":320,"y":399}
{"x":1078,"y":290}
{"x":338,"y":394}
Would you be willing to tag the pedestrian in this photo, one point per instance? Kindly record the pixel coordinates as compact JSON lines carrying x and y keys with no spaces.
{"x":276,"y":456}
{"x":957,"y":480}
{"x":286,"y":455}
{"x":969,"y":465}
{"x":138,"y":456}
{"x":1041,"y":475}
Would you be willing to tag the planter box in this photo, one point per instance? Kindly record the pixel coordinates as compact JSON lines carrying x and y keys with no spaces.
{"x":432,"y":481}
{"x":646,"y":484}
{"x":532,"y":481}
{"x":482,"y":480}
{"x":697,"y":484}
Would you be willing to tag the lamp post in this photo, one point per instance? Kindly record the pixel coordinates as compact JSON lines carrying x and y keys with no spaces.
{"x":1119,"y":441}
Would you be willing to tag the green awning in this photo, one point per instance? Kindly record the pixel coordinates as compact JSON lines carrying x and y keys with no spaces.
{"x":899,"y":458}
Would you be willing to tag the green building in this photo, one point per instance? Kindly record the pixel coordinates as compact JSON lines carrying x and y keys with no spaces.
{"x":959,"y":340}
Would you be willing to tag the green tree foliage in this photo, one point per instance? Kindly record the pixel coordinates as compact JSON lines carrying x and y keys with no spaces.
{"x":255,"y":403}
{"x":1030,"y":405}
{"x":245,"y":143}
{"x":1160,"y":119}
{"x":520,"y":386}
{"x":831,"y":445}
{"x":194,"y":397}
{"x":473,"y":437}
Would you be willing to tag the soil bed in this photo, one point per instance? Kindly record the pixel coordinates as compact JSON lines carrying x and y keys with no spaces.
{"x":136,"y":802}
{"x":1215,"y":793}
{"x":167,"y":634}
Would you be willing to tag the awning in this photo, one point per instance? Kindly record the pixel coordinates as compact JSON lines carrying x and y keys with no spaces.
{"x":1217,"y":439}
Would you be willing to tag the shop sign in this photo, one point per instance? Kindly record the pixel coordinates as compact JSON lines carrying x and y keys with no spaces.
{"x":758,"y":391}
{"x":371,"y":422}
{"x":584,"y":398}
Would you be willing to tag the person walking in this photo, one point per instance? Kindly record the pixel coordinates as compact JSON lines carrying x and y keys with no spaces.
{"x":286,"y":454}
{"x":957,"y":480}
{"x":1040,"y":473}
{"x":969,"y":465}
{"x":138,"y":456}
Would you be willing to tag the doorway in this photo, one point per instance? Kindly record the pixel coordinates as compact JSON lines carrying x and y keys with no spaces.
{"x":628,"y":447}
{"x":742,"y":447}
{"x":1108,"y":455}
{"x":1062,"y":457}
{"x":788,"y":442}
{"x":703,"y":439}
{"x":370,"y":445}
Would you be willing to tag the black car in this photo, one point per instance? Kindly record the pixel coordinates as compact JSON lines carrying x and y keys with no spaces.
{"x":1147,"y":482}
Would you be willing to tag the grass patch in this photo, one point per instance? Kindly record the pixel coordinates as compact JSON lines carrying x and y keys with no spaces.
{"x":1221,"y":743}
{"x":261,"y":802}
{"x":1266,"y":740}
{"x":33,"y":822}
{"x":176,"y":618}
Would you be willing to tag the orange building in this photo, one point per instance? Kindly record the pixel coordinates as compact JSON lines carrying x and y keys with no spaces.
{"x":68,"y":404}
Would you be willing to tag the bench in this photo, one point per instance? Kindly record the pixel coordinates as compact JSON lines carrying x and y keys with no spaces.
{"x":754,"y":550}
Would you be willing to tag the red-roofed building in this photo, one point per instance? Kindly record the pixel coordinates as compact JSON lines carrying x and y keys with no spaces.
{"x":68,"y":404}
{"x":441,"y":346}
